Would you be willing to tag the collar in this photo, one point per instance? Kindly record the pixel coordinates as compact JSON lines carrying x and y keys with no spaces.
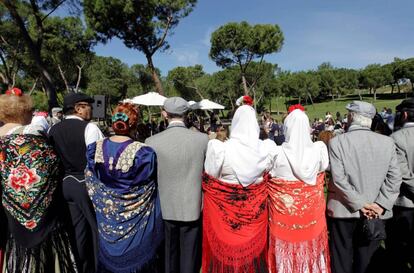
{"x":357,"y":128}
{"x":73,"y":117}
{"x":408,"y":125}
{"x":176,"y":123}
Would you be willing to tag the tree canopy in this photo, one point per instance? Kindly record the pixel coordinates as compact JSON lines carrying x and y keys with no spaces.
{"x":142,"y":25}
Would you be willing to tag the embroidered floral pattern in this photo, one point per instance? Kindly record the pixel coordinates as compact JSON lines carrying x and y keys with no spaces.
{"x":29,"y":176}
{"x":126,"y":159}
{"x":22,"y":178}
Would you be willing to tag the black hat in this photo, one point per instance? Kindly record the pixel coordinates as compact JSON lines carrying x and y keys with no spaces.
{"x":406,"y":105}
{"x":71,"y":99}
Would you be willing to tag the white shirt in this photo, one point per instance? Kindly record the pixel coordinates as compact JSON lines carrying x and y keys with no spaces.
{"x":92,"y":132}
{"x":217,"y":164}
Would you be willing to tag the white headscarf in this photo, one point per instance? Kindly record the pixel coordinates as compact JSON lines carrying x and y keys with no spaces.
{"x":303,"y":155}
{"x":245,"y":151}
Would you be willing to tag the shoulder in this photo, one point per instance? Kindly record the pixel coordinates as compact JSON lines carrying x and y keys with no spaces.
{"x":92,"y":126}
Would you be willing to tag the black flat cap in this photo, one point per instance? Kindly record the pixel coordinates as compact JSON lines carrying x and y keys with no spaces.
{"x":71,"y":99}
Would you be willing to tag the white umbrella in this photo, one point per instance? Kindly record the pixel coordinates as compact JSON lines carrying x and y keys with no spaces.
{"x":127,"y":101}
{"x":149,"y":99}
{"x":207,"y":105}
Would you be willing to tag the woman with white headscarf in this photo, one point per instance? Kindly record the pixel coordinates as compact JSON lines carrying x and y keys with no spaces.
{"x":298,"y":239}
{"x":235,"y":213}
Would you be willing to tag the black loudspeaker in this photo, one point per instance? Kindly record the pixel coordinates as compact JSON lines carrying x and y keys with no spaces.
{"x":99,"y":107}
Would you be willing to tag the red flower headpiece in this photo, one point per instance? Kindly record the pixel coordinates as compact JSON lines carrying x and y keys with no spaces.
{"x":247,"y":100}
{"x":14,"y":91}
{"x":294,"y":107}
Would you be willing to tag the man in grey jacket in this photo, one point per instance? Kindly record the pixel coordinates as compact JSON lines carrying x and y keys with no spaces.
{"x":365,"y":183}
{"x":400,"y":230}
{"x":180,"y":154}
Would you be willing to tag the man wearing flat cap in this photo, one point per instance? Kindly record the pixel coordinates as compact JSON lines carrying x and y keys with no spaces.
{"x":180,"y":154}
{"x":400,"y":229}
{"x":71,"y":138}
{"x":365,"y":184}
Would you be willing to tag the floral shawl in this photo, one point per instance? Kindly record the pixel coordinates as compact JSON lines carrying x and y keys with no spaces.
{"x":29,"y":176}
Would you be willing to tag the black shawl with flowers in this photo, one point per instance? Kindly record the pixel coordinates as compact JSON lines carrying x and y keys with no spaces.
{"x":29,"y":175}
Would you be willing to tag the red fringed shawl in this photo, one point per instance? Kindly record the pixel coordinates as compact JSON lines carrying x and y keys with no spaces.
{"x":234,"y":227}
{"x":298,"y":233}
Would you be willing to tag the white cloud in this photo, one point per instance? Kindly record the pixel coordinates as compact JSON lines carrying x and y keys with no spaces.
{"x":186,"y":56}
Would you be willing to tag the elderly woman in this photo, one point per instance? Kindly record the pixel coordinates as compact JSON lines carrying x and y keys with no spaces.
{"x":235,"y":214}
{"x":29,"y":174}
{"x":298,"y":234}
{"x":122,"y":184}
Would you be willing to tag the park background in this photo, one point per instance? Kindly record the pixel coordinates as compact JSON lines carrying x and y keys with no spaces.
{"x":320,"y":53}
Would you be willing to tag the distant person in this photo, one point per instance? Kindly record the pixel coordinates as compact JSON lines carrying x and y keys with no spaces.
{"x":57,"y":116}
{"x":180,"y":154}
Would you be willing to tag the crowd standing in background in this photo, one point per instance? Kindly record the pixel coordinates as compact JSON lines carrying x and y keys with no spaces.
{"x":260,"y":196}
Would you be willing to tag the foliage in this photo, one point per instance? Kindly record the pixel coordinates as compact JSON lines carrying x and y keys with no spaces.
{"x":240,"y":43}
{"x":142,"y":25}
{"x":185,"y":81}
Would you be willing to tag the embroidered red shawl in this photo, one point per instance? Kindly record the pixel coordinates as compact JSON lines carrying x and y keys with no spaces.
{"x":298,"y":236}
{"x":234,"y":227}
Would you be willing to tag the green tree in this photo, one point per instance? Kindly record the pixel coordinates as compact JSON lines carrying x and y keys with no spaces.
{"x":408,"y":71}
{"x":372,"y":77}
{"x":34,"y":13}
{"x":108,"y":76}
{"x":346,"y":79}
{"x":142,"y":25}
{"x":185,"y":81}
{"x":328,"y":81}
{"x":240,"y":43}
{"x":67,"y":50}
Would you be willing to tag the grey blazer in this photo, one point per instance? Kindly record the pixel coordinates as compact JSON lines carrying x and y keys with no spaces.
{"x":364,"y":170}
{"x":180,"y":156}
{"x":404,"y":140}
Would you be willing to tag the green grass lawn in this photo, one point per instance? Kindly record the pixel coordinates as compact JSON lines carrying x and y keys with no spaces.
{"x":319,"y":109}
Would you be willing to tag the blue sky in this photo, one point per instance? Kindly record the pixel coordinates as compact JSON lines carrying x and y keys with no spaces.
{"x":347,"y":33}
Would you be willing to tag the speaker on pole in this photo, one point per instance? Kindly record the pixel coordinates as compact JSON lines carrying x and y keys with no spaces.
{"x":99,"y":107}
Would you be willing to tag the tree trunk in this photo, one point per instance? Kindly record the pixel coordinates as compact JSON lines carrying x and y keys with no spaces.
{"x":392,"y":89}
{"x":375,"y":94}
{"x":246,"y":90}
{"x":398,"y":87}
{"x":35,"y":52}
{"x":310,"y":97}
{"x":359,"y":94}
{"x":155,"y":78}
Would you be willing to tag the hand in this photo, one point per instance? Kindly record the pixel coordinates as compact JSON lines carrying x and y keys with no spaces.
{"x":368,"y":213}
{"x":377,"y":208}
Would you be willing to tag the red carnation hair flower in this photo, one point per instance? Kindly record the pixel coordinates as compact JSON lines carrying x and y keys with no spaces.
{"x":14,"y":91}
{"x":247,"y":100}
{"x":294,"y":107}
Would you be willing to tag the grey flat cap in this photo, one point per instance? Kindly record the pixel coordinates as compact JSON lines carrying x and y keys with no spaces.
{"x":176,"y":105}
{"x":363,"y":108}
{"x":56,"y":109}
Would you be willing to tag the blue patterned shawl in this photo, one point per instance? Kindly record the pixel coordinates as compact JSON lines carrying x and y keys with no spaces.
{"x":122,"y":184}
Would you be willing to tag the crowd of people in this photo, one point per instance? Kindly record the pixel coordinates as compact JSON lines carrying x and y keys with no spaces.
{"x":258,"y":197}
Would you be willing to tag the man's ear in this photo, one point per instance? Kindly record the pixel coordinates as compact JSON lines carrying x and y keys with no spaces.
{"x":405,"y":116}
